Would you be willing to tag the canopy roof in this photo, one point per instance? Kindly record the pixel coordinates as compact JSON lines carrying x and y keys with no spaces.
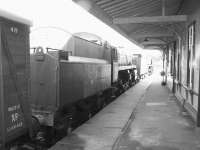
{"x":148,"y":23}
{"x":13,"y":17}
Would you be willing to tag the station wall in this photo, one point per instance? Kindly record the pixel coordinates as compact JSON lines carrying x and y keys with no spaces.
{"x":183,"y":58}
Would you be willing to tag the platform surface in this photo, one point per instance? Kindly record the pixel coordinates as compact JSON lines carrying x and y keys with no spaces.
{"x":160,"y":123}
{"x":103,"y":130}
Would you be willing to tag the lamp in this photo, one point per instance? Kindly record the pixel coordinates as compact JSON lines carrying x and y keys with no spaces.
{"x":146,"y":39}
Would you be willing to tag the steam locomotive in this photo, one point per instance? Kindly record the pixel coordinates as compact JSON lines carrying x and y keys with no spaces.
{"x":79,"y":79}
{"x":55,"y":88}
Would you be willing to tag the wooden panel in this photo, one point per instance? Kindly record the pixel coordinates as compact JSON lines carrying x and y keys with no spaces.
{"x":15,"y":76}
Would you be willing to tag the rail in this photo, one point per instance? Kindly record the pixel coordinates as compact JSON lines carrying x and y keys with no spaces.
{"x":68,"y":52}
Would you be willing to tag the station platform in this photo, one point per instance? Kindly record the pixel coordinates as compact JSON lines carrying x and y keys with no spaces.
{"x":146,"y":117}
{"x":104,"y":129}
{"x":160,"y":123}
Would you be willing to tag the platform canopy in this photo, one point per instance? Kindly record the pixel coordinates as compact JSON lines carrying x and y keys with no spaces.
{"x":150,"y":24}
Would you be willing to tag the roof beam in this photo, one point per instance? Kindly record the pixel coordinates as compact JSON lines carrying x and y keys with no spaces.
{"x":154,"y":19}
{"x":153,"y":47}
{"x":153,"y":43}
{"x":155,"y":35}
{"x":158,"y":47}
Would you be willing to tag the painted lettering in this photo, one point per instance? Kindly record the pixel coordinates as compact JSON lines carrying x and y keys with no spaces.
{"x":15,"y":126}
{"x":13,"y":108}
{"x":14,"y":117}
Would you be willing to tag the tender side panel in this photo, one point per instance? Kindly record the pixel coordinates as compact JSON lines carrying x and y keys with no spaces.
{"x":84,"y":48}
{"x":88,"y":49}
{"x":44,"y":82}
{"x":80,"y":80}
{"x":15,"y":75}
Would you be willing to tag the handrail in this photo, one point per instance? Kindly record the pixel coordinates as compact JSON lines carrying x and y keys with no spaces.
{"x":68,"y":52}
{"x":186,"y":88}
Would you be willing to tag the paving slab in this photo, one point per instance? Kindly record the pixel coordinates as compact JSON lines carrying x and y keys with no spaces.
{"x":102,"y":130}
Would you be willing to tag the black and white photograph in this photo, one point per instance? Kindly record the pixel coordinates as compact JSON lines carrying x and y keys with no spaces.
{"x":99,"y":75}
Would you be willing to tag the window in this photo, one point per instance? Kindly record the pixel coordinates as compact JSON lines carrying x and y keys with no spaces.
{"x":191,"y":54}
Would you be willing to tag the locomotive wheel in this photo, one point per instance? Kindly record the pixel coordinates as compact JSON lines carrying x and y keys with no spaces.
{"x":104,"y":104}
{"x":64,"y":120}
{"x":83,"y":113}
{"x":68,"y":127}
{"x":100,"y":103}
{"x":62,"y":129}
{"x":89,"y":115}
{"x":35,"y":126}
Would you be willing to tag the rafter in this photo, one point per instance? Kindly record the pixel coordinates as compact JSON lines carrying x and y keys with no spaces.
{"x":102,"y":15}
{"x":133,"y":8}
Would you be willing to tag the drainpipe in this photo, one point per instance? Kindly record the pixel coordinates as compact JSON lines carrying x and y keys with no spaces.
{"x":163,"y":70}
{"x":198,"y":111}
{"x":174,"y":68}
{"x":163,"y":65}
